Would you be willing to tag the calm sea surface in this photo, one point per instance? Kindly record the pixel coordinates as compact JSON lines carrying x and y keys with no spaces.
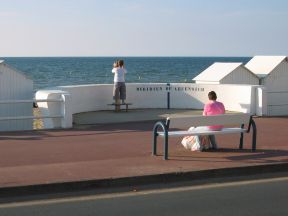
{"x":56,"y":71}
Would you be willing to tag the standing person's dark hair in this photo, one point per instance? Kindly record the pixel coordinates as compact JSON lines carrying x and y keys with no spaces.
{"x":121,"y":63}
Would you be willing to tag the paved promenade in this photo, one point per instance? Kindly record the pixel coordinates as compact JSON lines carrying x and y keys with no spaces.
{"x":105,"y":152}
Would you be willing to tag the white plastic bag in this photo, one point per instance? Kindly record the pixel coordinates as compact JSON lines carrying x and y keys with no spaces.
{"x":195,"y":143}
{"x":191,"y":143}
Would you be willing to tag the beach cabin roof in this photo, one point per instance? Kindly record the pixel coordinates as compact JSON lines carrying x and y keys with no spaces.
{"x":217,"y":71}
{"x":2,"y":62}
{"x":263,"y":65}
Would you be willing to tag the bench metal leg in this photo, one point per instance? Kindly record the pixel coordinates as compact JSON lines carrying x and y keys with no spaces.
{"x":165,"y":148}
{"x":126,"y":107}
{"x":241,"y":141}
{"x":155,"y":135}
{"x":241,"y":138}
{"x":254,"y":135}
{"x":154,"y":147}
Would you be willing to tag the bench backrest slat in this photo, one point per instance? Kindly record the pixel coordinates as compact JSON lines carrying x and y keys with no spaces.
{"x":196,"y":121}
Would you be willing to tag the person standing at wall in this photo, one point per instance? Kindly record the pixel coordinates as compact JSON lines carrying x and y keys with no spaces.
{"x":119,"y":90}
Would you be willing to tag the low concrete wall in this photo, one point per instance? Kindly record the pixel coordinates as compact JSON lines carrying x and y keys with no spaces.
{"x":85,"y":98}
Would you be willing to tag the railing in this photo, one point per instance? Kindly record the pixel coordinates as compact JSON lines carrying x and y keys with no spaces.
{"x":63,"y":114}
{"x":30,"y":117}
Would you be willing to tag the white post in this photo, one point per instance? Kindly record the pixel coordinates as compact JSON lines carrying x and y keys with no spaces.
{"x":62,"y":107}
{"x":66,"y":111}
{"x":261,"y":99}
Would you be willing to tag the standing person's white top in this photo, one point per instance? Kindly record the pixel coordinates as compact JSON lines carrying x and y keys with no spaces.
{"x":119,"y":74}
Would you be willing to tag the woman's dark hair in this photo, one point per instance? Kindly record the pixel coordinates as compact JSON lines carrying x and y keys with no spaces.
{"x":212,"y":95}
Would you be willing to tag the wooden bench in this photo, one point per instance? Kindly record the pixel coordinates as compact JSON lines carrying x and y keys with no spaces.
{"x":119,"y":105}
{"x":170,"y":128}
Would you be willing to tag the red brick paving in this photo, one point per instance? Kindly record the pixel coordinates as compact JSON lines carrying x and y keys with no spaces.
{"x":124,"y":150}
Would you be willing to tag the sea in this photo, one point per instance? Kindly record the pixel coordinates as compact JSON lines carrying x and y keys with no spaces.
{"x":60,"y":71}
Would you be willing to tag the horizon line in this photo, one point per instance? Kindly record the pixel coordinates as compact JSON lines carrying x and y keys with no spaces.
{"x":128,"y":56}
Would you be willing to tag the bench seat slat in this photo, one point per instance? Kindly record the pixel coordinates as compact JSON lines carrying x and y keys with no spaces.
{"x":204,"y":132}
{"x":196,"y":121}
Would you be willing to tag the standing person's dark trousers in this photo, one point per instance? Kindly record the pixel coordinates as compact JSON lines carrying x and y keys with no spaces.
{"x":119,"y":92}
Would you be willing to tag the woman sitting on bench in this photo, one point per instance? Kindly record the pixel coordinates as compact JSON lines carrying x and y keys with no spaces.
{"x":213,"y":107}
{"x":199,"y":143}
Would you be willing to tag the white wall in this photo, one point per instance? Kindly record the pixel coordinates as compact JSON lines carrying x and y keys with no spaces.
{"x":239,"y":98}
{"x":85,"y":98}
{"x":152,"y":95}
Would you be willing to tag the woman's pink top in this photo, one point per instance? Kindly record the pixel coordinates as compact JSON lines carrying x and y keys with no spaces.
{"x":214,"y":108}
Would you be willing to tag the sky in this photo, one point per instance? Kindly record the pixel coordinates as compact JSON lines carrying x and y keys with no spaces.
{"x":143,"y":27}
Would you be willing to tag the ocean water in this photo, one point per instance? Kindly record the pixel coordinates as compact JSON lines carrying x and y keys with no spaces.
{"x":58,"y":71}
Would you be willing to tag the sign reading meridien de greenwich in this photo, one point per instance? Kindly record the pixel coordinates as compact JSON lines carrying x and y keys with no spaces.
{"x":168,"y":88}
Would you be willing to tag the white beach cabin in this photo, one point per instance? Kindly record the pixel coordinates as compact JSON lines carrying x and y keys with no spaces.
{"x":227,"y":73}
{"x":14,"y":88}
{"x":273,"y":74}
